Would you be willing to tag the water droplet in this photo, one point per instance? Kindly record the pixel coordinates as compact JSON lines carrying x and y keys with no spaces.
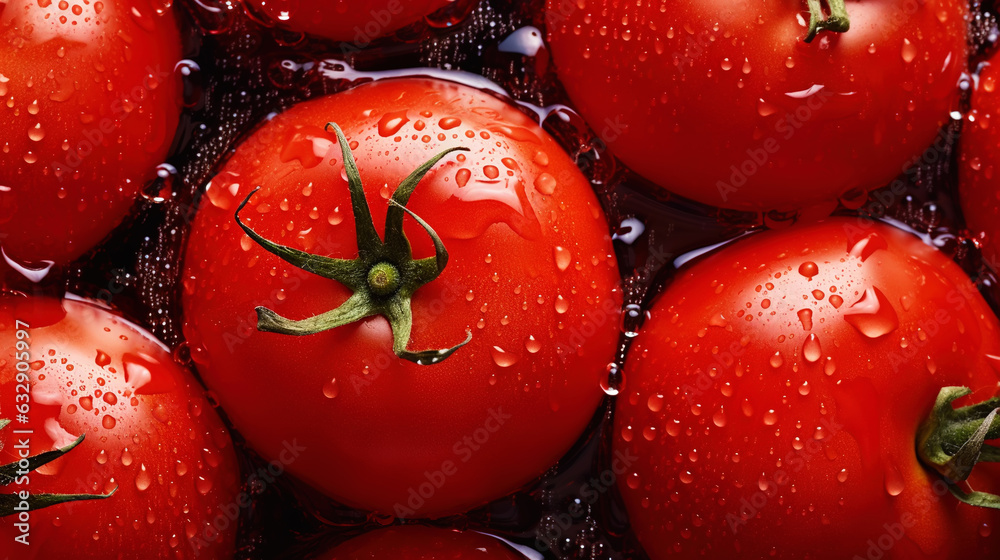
{"x":776,"y":360}
{"x":872,"y":315}
{"x":545,"y":183}
{"x":612,"y":383}
{"x":391,"y":122}
{"x":36,"y":132}
{"x":893,"y":481}
{"x":330,"y":388}
{"x":842,"y":475}
{"x":532,"y":345}
{"x":502,"y":358}
{"x":108,"y":421}
{"x":909,"y":51}
{"x":811,"y":348}
{"x":110,"y":398}
{"x":204,"y":485}
{"x":808,"y":269}
{"x":102,"y":359}
{"x":126,"y":457}
{"x":770,"y":418}
{"x":563,"y":257}
{"x":561,"y":304}
{"x":719,"y":419}
{"x":655,"y":403}
{"x":143,"y":479}
{"x":805,"y":317}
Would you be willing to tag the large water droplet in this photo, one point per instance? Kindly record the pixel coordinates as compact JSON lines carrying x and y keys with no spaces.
{"x":503,"y":358}
{"x":872,"y":315}
{"x":811,"y":348}
{"x":144,"y":478}
{"x":563,"y":257}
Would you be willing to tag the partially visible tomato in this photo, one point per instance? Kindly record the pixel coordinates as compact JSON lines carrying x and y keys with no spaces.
{"x":416,"y":542}
{"x":979,"y":166}
{"x":91,"y":104}
{"x":530,"y":273}
{"x":724,"y":103}
{"x":358,"y":22}
{"x":775,"y":395}
{"x":150,"y":436}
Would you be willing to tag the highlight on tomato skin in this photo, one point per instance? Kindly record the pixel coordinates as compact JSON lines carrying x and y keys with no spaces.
{"x":417,"y":542}
{"x":530,"y":273}
{"x":152,"y":444}
{"x":776,"y":394}
{"x":725,"y":104}
{"x":92,"y":102}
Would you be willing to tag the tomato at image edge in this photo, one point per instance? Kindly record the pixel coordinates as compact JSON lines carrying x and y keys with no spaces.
{"x":775,"y":395}
{"x":92,"y":105}
{"x":726,"y":104}
{"x":151,"y":439}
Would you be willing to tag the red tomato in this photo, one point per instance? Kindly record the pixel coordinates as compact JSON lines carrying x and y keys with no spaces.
{"x":91,"y":108}
{"x":775,"y":394}
{"x":354,"y":21}
{"x":149,"y":436}
{"x":414,"y":542}
{"x":978,"y":182}
{"x":531,"y":274}
{"x":724,"y":103}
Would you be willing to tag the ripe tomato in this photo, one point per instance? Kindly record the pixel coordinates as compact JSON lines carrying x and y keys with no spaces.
{"x":150,"y":437}
{"x":415,"y":542}
{"x":775,"y":394}
{"x":531,"y":274}
{"x":91,"y":108}
{"x":978,"y":182}
{"x":724,"y":102}
{"x":357,"y":22}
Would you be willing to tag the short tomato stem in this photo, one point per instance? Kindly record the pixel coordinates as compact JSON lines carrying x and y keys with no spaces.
{"x":952,"y":442}
{"x":838,"y":22}
{"x":384,"y":275}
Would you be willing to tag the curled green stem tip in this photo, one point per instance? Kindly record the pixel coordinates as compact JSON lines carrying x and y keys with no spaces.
{"x":837,"y":21}
{"x":383,"y":277}
{"x":952,"y":442}
{"x":14,"y":503}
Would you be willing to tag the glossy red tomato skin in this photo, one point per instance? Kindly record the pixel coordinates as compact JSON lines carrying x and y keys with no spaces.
{"x":349,"y":21}
{"x":532,"y":275}
{"x":415,"y":542}
{"x":156,"y":438}
{"x":978,"y":182}
{"x":755,"y":441}
{"x":92,"y":104}
{"x":693,"y":95}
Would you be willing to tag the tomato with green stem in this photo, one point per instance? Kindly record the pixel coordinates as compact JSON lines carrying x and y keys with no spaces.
{"x":802,"y":394}
{"x":437,"y":344}
{"x":727,"y":104}
{"x":126,"y":457}
{"x":92,"y":104}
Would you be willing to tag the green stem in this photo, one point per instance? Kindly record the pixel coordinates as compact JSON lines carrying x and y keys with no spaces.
{"x":383,"y":277}
{"x":12,"y":503}
{"x":952,"y":442}
{"x":838,"y":22}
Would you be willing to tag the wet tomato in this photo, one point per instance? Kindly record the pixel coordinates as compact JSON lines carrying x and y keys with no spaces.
{"x":776,"y":396}
{"x":724,"y":103}
{"x":521,"y":262}
{"x":978,"y":179}
{"x":351,"y":21}
{"x":155,"y":459}
{"x":415,"y":542}
{"x":92,"y":104}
